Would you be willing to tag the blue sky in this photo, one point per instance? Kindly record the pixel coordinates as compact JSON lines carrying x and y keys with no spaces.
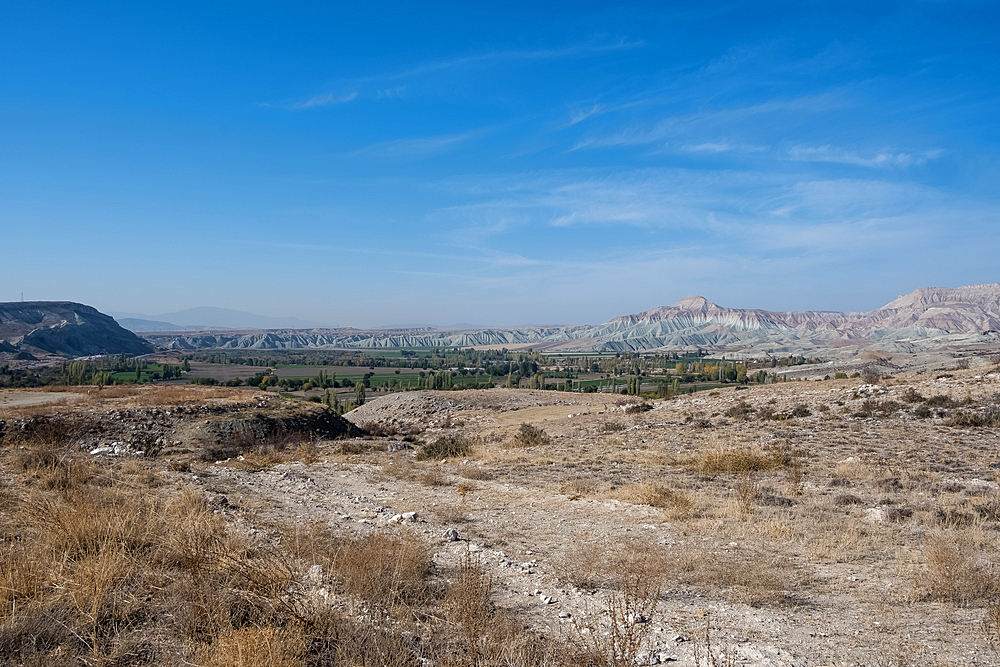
{"x":534,"y":163}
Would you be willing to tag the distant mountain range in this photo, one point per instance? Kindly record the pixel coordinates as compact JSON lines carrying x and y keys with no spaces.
{"x":207,"y":319}
{"x":924,"y":319}
{"x":928,"y":318}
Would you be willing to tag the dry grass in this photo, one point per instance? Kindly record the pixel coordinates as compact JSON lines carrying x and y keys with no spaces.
{"x":586,"y":565}
{"x":675,"y":503}
{"x":110,"y":561}
{"x":738,"y":460}
{"x":579,"y":487}
{"x":446,"y":447}
{"x":957,"y":573}
{"x":251,"y":647}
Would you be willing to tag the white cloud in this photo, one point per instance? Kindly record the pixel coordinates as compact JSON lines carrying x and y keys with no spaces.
{"x":316,"y":101}
{"x":413,"y":146}
{"x":883,"y":158}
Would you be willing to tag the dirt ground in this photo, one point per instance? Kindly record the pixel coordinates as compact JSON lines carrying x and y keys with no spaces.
{"x":802,"y":523}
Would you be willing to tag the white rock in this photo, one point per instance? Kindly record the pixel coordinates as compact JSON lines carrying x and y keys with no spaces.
{"x":875,"y":514}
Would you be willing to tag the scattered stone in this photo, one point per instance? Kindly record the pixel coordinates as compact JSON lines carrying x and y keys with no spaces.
{"x":451,"y":535}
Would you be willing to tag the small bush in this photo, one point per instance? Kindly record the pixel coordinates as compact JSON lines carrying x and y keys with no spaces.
{"x":847,"y":499}
{"x":530,"y":436}
{"x":956,"y":574}
{"x":475,"y":473}
{"x":742,"y":410}
{"x":801,"y":410}
{"x":987,"y":417}
{"x":941,"y":401}
{"x":445,"y":447}
{"x":584,"y":565}
{"x":384,"y":570}
{"x":748,"y":494}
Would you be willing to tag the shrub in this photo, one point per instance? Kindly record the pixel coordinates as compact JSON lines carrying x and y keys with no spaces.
{"x":987,"y":417}
{"x":741,"y":410}
{"x":801,"y":410}
{"x":445,"y":447}
{"x":955,"y":573}
{"x":941,"y":401}
{"x":384,"y":570}
{"x":530,"y":436}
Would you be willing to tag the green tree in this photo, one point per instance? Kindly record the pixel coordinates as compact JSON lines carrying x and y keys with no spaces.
{"x":100,"y":379}
{"x":359,"y":393}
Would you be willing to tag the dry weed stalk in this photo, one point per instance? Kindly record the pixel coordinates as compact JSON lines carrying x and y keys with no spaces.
{"x":624,"y":627}
{"x":708,"y":656}
{"x":748,"y":494}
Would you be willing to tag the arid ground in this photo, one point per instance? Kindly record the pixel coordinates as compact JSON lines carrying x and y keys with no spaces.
{"x":801,"y":523}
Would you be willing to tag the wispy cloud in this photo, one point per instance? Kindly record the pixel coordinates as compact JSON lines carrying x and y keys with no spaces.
{"x":722,"y":147}
{"x":524,"y":55}
{"x":413,"y":146}
{"x":314,"y":102}
{"x":682,"y":126}
{"x":883,"y":158}
{"x":582,"y":115}
{"x":769,"y":212}
{"x":382,"y":89}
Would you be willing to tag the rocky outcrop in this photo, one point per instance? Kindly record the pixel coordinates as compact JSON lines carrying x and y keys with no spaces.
{"x":63,"y":328}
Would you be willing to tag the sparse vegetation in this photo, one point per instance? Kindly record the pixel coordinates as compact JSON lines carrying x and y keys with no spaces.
{"x":528,"y":435}
{"x":445,"y":447}
{"x":249,"y":540}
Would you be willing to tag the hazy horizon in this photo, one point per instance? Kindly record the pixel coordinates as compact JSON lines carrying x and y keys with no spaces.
{"x":366,"y":166}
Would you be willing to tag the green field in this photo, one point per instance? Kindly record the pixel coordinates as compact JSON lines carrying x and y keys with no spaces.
{"x":145,"y":376}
